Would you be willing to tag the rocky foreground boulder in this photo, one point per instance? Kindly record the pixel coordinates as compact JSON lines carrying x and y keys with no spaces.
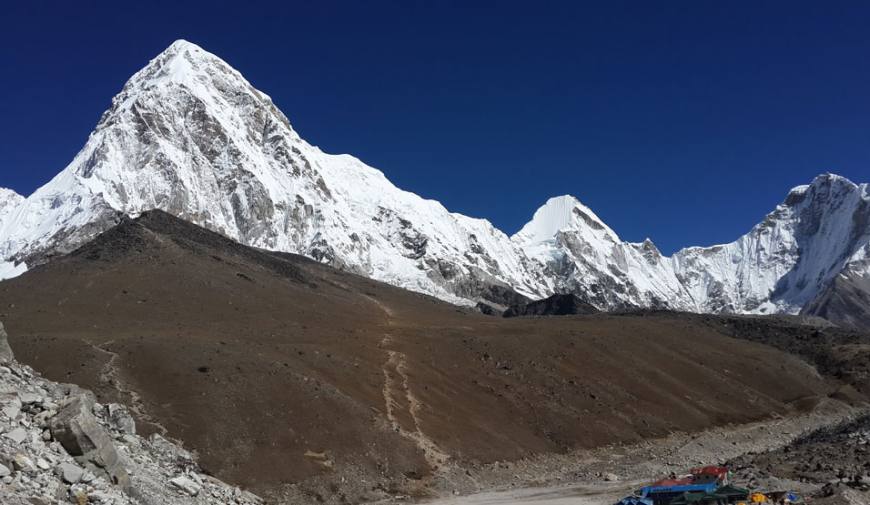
{"x":82,"y":436}
{"x":58,"y":445}
{"x":5,"y":351}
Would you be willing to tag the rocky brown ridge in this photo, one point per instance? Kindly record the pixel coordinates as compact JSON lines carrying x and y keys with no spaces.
{"x":58,"y":445}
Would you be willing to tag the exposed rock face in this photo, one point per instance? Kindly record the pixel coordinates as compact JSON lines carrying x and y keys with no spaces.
{"x":488,"y":309}
{"x":846,"y":300}
{"x":556,"y":305}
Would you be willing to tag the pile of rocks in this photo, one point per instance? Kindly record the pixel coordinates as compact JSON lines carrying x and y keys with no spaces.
{"x":832,"y":461}
{"x":57,"y":444}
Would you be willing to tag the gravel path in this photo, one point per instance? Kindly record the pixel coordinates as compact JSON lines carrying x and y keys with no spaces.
{"x":601,"y":494}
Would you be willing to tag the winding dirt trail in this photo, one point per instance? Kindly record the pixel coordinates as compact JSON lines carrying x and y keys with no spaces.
{"x":402,"y":406}
{"x":111,"y":377}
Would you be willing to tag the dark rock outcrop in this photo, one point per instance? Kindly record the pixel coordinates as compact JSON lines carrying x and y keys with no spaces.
{"x":556,"y":305}
{"x":487,"y":309}
{"x":845,"y":302}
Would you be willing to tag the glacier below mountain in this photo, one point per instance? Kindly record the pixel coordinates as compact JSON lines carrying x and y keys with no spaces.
{"x":189,"y":135}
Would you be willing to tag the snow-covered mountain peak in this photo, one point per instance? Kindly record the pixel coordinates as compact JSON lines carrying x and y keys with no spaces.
{"x":9,"y":201}
{"x":821,"y":186}
{"x":585,"y":257}
{"x":560,"y":214}
{"x":185,"y":68}
{"x":835,"y":182}
{"x":9,"y":196}
{"x":827,"y":195}
{"x":788,"y":258}
{"x":180,"y":62}
{"x":648,"y":245}
{"x":180,"y":48}
{"x":831,"y":178}
{"x":825,"y":187}
{"x":190,"y":136}
{"x":181,"y":45}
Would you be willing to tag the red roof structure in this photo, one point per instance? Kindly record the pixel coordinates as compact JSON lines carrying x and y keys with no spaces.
{"x":673,"y":482}
{"x":709,"y":470}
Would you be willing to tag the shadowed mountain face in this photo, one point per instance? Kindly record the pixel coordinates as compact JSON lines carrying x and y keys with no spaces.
{"x":556,"y":305}
{"x":846,"y":300}
{"x":288,"y":376}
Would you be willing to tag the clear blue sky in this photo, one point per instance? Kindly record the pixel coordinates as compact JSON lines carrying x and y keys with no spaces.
{"x":682,"y":121}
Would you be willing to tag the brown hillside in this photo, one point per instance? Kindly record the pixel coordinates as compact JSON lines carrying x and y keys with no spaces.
{"x":281,"y":371}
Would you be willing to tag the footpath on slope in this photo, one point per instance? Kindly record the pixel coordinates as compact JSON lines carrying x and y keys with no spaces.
{"x":401,"y":405}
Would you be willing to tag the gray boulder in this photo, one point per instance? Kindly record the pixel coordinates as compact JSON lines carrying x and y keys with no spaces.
{"x":22,"y":463}
{"x":186,"y":485}
{"x":78,"y":431}
{"x":18,"y":435}
{"x":119,"y":419}
{"x":6,"y":355}
{"x":29,"y":398}
{"x":70,"y":473}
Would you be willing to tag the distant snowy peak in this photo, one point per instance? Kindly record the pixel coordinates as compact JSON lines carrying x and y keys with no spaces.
{"x":562,"y":213}
{"x":9,"y":200}
{"x":580,"y":254}
{"x":827,"y":190}
{"x":9,"y":194}
{"x":788,"y":258}
{"x":782,"y":264}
